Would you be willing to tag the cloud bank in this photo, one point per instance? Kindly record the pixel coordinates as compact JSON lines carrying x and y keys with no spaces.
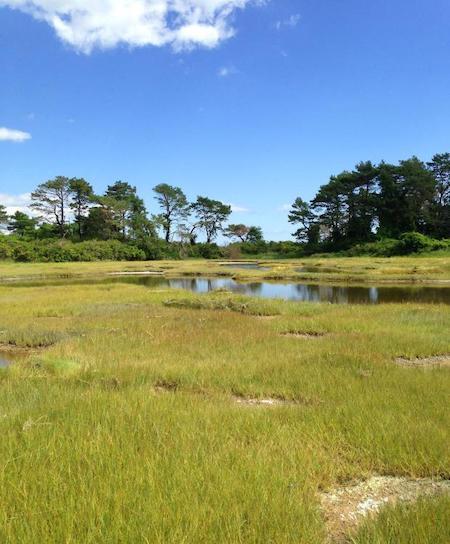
{"x":16,"y":203}
{"x":103,"y":24}
{"x":12,"y":135}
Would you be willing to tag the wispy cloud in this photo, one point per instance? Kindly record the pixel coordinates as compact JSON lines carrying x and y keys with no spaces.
{"x":284,"y":208}
{"x":291,"y":22}
{"x":238,"y":209}
{"x":226,"y":71}
{"x":86,"y":25}
{"x":13,"y":135}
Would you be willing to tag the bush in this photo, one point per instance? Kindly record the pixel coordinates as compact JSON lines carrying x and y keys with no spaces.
{"x":413,"y":242}
{"x":408,"y":243}
{"x":65,"y":251}
{"x":60,"y":251}
{"x":206,"y":251}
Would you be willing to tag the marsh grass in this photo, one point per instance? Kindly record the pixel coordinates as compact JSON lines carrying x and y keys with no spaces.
{"x":417,"y":268}
{"x":125,"y":427}
{"x":426,"y":521}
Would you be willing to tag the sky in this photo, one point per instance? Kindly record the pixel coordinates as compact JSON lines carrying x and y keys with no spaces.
{"x":252,"y":102}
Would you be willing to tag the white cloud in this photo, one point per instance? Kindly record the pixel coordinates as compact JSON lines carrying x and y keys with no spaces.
{"x":284,"y":208}
{"x":14,"y":203}
{"x":238,"y":209}
{"x":103,"y":24}
{"x":290,"y":22}
{"x":12,"y":135}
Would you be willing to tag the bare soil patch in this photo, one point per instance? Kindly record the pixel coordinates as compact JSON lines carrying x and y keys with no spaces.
{"x":166,"y":386}
{"x":275,"y":401}
{"x":437,"y":360}
{"x":303,"y":335}
{"x":345,"y":508}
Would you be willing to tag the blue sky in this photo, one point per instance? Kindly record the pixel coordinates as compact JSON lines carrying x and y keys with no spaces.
{"x":253,"y":103}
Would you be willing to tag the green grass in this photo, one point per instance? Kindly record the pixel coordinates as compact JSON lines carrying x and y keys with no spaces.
{"x":120,"y":425}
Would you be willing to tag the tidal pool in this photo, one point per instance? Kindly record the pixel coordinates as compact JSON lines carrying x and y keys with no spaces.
{"x":296,"y":291}
{"x":335,"y":294}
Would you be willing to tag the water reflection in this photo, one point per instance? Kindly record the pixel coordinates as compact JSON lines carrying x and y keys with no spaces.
{"x":334,"y":294}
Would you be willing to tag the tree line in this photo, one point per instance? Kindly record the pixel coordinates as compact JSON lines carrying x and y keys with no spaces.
{"x":68,"y":208}
{"x":362,"y":210}
{"x":377,"y":201}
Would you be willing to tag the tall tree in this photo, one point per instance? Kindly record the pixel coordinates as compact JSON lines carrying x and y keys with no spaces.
{"x":22,"y":225}
{"x":100,"y":223}
{"x":359,"y":189}
{"x":331,"y":205}
{"x":238,"y":231}
{"x":174,"y":206}
{"x":126,"y":208}
{"x":82,"y":194}
{"x":255,"y":234}
{"x":406,"y":196}
{"x":114,"y":214}
{"x":301,"y":215}
{"x":440,"y":167}
{"x":244,"y":233}
{"x":211,"y":215}
{"x":52,"y":200}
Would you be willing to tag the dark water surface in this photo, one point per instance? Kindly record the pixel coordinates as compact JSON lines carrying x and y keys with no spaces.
{"x":297,"y":291}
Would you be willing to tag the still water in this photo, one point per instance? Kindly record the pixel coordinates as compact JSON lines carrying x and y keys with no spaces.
{"x":297,"y":291}
{"x":335,"y":294}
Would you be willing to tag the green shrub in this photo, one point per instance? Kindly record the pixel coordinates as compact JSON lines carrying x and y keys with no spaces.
{"x":409,"y":242}
{"x":413,"y":242}
{"x":66,"y":251}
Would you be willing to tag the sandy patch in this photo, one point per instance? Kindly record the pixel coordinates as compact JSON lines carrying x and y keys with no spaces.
{"x":345,"y":508}
{"x":262,"y":402}
{"x":142,"y":273}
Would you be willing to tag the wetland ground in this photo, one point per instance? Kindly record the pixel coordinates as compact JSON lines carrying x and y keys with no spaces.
{"x":148,"y":414}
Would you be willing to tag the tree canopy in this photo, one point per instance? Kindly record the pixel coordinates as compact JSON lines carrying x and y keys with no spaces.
{"x":384,"y":200}
{"x":174,"y":207}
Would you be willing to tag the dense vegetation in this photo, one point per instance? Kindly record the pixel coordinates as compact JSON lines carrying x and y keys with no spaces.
{"x":377,"y":202}
{"x":380,"y":209}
